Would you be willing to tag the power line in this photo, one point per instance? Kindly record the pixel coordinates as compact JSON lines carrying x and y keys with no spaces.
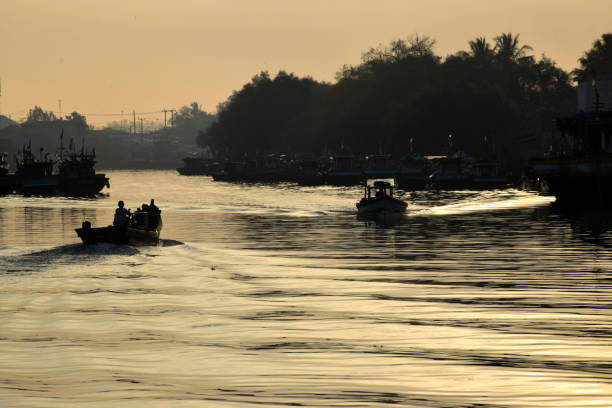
{"x":92,"y":114}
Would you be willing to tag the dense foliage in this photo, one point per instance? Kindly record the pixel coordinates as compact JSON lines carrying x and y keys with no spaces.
{"x":598,"y":59}
{"x":401,"y":95}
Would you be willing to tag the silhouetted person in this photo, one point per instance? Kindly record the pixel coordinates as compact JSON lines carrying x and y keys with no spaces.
{"x":154,"y":212}
{"x":153,"y":207}
{"x":122,"y":216}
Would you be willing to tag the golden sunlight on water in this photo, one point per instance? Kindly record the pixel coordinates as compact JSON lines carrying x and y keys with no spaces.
{"x":279,"y":295}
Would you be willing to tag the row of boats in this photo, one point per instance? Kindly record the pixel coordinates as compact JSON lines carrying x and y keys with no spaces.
{"x":579,"y":174}
{"x":72,"y":173}
{"x":457,"y":171}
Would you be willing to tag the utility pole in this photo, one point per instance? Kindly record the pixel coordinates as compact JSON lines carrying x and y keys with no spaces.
{"x":59,"y":101}
{"x":134,"y":114}
{"x":141,"y":130}
{"x":166,"y":111}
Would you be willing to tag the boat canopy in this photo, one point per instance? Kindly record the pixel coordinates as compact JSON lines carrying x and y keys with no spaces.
{"x":371,"y":183}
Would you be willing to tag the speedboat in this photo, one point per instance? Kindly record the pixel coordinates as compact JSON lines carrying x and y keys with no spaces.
{"x":378,"y":199}
{"x":143,"y":228}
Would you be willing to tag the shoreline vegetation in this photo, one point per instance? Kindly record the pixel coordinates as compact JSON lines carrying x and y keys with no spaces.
{"x":492,"y":100}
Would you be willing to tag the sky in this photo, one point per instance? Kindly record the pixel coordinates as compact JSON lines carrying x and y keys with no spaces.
{"x":108,"y":58}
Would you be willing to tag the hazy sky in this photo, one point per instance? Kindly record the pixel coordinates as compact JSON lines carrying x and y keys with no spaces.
{"x":108,"y":56}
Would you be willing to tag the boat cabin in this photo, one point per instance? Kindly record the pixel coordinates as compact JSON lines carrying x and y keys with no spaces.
{"x":377,"y":188}
{"x":485,"y":168}
{"x":587,"y":133}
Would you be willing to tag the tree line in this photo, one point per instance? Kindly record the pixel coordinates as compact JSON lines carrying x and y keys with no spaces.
{"x":404,"y":98}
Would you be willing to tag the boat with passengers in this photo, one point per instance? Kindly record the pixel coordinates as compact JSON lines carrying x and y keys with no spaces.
{"x":378,"y":199}
{"x":143,"y":227}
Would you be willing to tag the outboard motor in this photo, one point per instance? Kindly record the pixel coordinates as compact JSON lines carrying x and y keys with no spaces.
{"x":86,"y":225}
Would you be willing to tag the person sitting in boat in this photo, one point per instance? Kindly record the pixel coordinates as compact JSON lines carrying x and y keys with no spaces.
{"x":122,"y":216}
{"x":154,"y":212}
{"x":140,"y":219}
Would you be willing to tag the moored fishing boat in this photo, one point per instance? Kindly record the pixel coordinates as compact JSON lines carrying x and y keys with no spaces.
{"x":195,"y":166}
{"x":345,"y":170}
{"x":35,"y":174}
{"x":580,"y":175}
{"x":77,"y":175}
{"x":8,"y":182}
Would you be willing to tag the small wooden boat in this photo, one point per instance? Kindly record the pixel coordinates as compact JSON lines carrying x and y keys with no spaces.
{"x":144,"y":228}
{"x":378,"y":199}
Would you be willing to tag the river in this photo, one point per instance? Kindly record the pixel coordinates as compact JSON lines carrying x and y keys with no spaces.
{"x":277,"y":295}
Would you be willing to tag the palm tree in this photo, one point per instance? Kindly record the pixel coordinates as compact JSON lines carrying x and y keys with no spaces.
{"x":598,"y":59}
{"x":480,"y":48}
{"x":507,"y":47}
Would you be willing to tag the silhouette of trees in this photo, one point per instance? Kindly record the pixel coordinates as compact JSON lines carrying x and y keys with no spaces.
{"x":78,"y":118}
{"x":480,"y":49}
{"x":267,"y":115}
{"x":192,"y":117}
{"x":598,"y":59}
{"x":507,"y":47}
{"x":37,"y":114}
{"x":400,"y":91}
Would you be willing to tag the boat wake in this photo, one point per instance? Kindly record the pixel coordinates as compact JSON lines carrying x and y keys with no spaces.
{"x":482,"y":202}
{"x":31,"y":262}
{"x":169,"y":242}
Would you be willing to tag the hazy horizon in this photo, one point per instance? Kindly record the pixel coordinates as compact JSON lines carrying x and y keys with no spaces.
{"x":112,"y":57}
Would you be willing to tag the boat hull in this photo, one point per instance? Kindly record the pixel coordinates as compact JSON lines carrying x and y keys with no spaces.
{"x":583,"y":182}
{"x":184,"y":171}
{"x":344,"y":178}
{"x":83,"y":186}
{"x":38,"y":185}
{"x":8,"y":183}
{"x":378,"y":206}
{"x":57,"y":185}
{"x":119,"y":235}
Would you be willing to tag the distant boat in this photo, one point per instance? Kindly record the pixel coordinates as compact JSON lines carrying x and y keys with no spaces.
{"x":461,"y":172}
{"x":76,"y":175}
{"x":144,"y":228}
{"x":8,"y":182}
{"x":412,"y":173}
{"x":380,"y":166}
{"x":345,"y":170}
{"x":35,"y":174}
{"x":378,"y":200}
{"x":487,"y":174}
{"x":271,"y":168}
{"x":195,"y":166}
{"x":310,"y":172}
{"x":451,"y":173}
{"x":580,"y":176}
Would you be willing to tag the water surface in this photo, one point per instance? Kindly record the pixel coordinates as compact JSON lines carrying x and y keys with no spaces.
{"x":277,"y":295}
